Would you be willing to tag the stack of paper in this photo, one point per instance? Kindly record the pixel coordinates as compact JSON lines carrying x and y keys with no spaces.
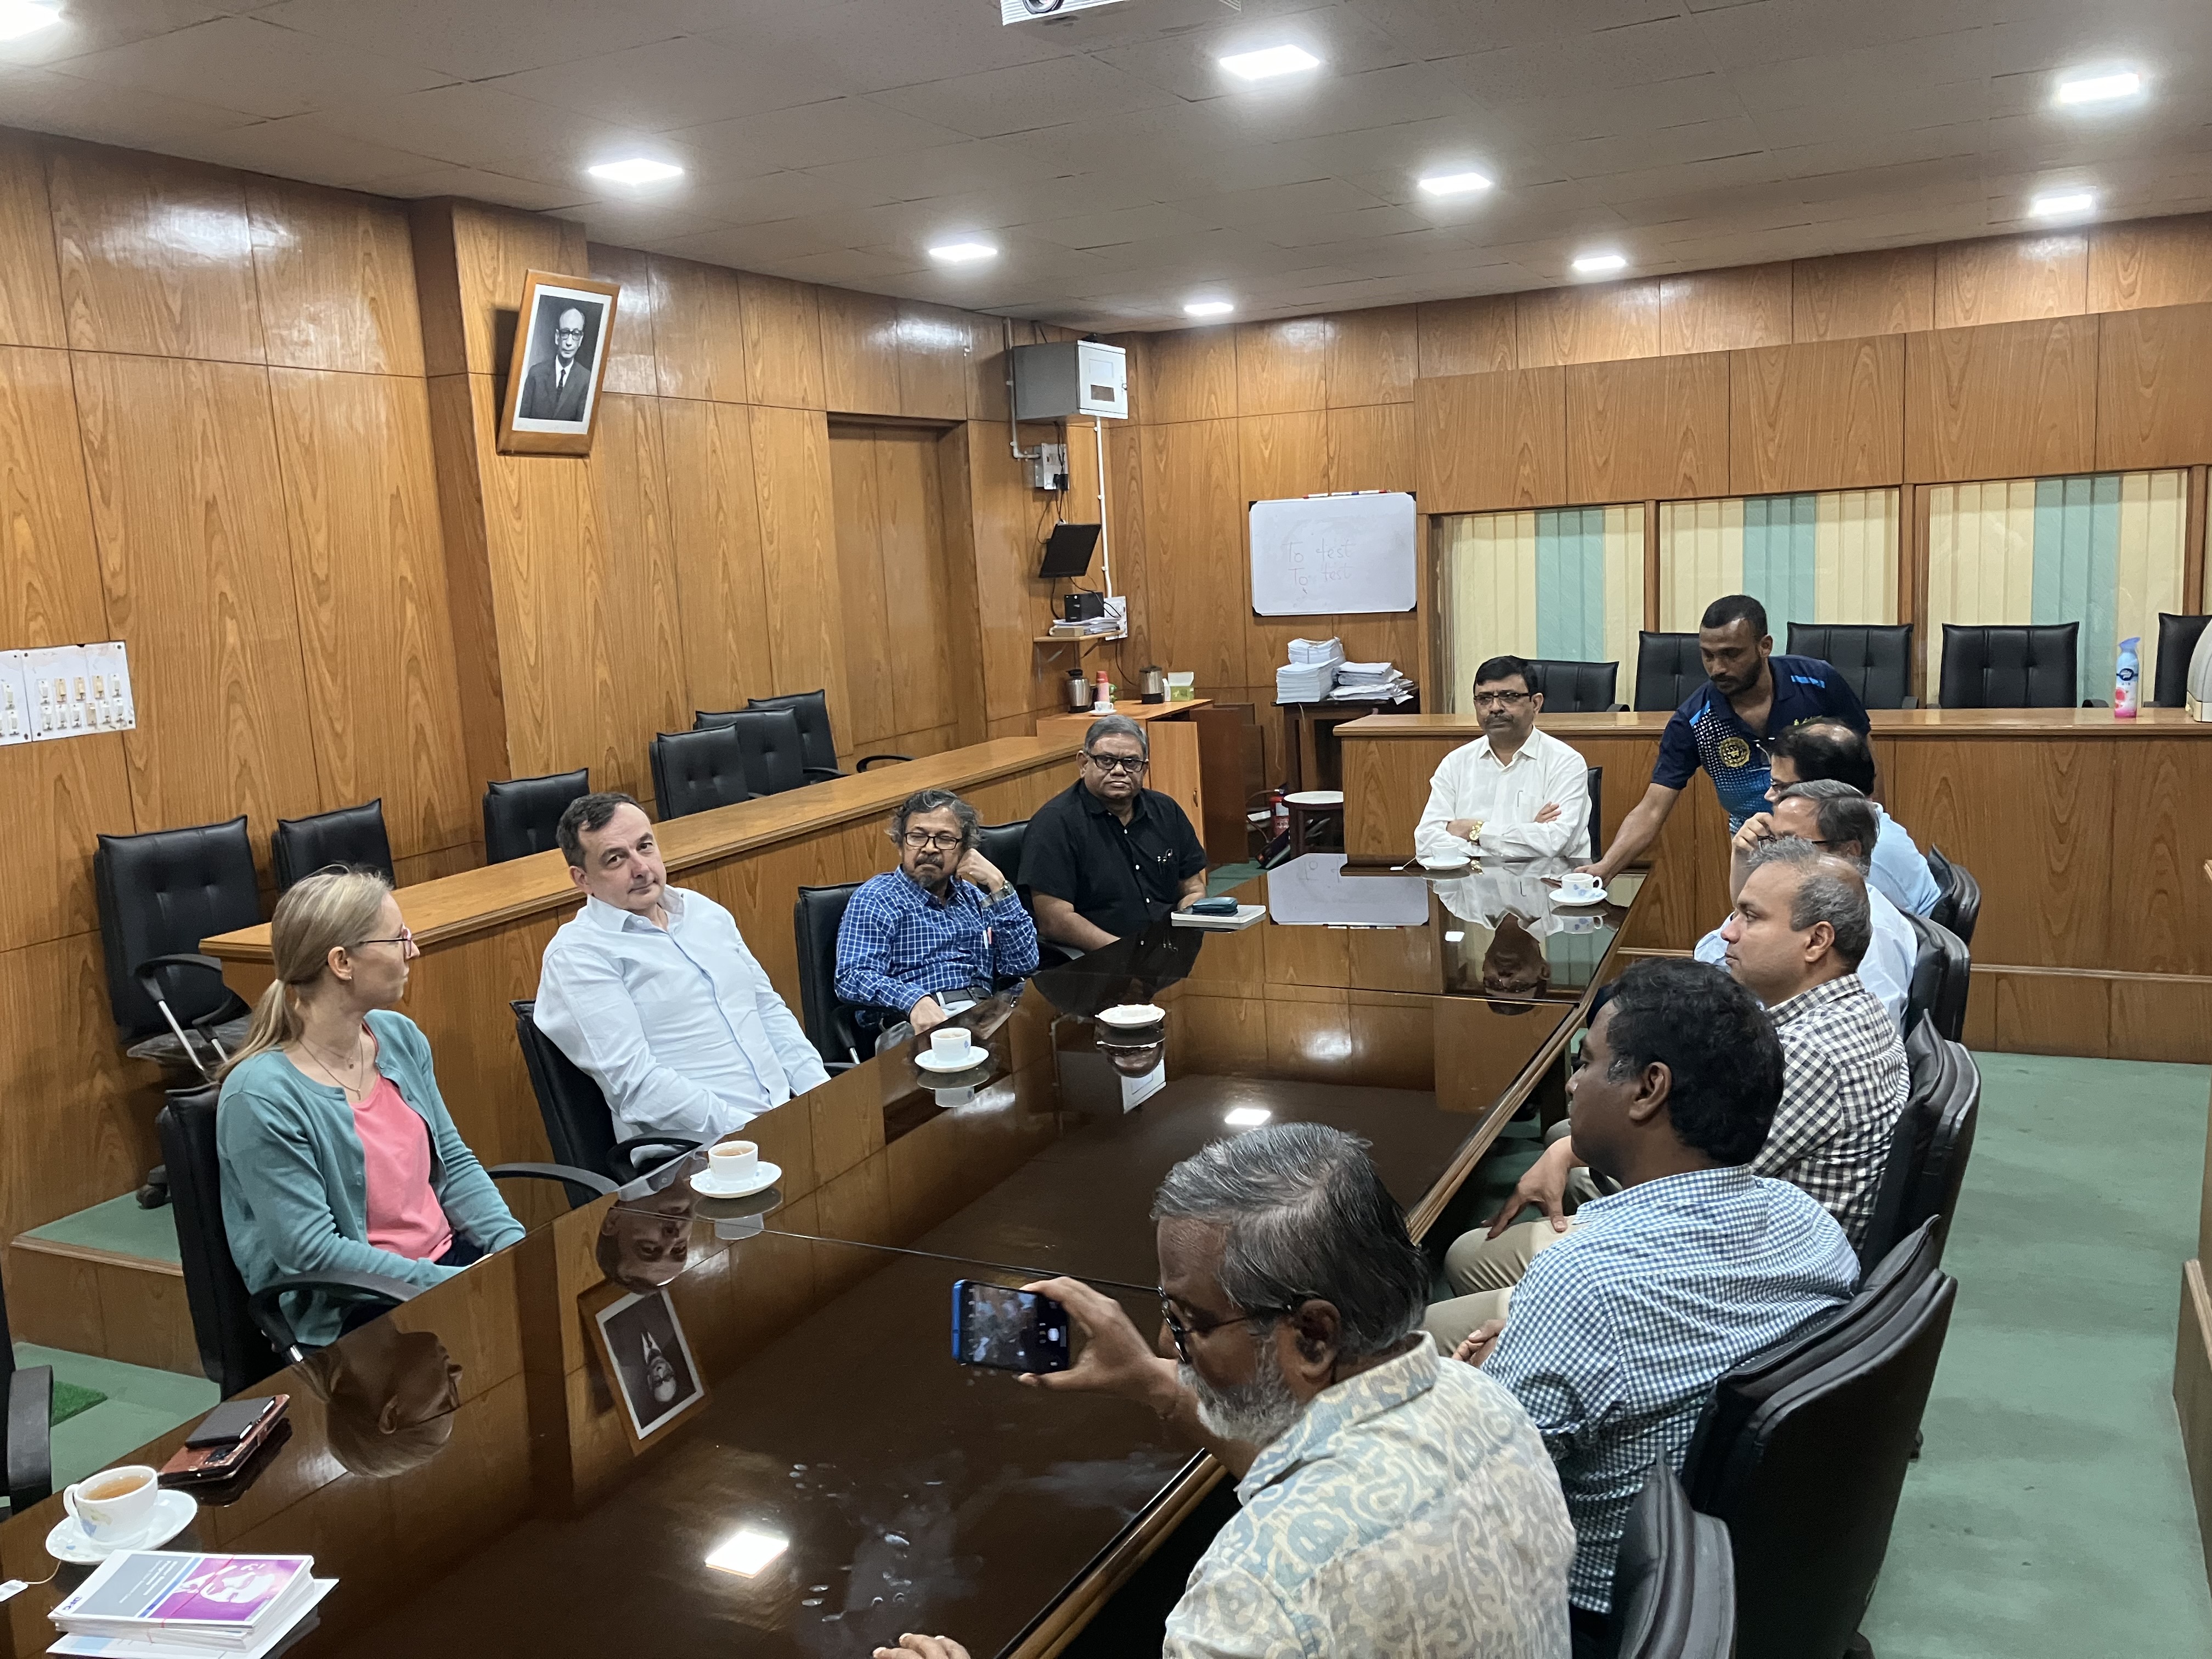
{"x":1371,"y":681}
{"x":1311,"y":671}
{"x":157,"y":1604}
{"x":1309,"y":654}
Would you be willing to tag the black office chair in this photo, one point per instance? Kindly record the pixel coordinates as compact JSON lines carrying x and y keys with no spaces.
{"x":1960,"y":906}
{"x":769,"y":741}
{"x":812,"y":708}
{"x":828,"y":1022}
{"x":1876,"y":661}
{"x":522,"y":816}
{"x":579,"y":1126}
{"x":2010,"y":667}
{"x":1950,"y":1145}
{"x":1941,"y":952}
{"x":1572,"y":687}
{"x":1667,"y":669}
{"x":352,"y":835}
{"x":1002,"y":844}
{"x":1897,"y":1204}
{"x":1674,"y":1580}
{"x":697,"y":771}
{"x":1595,"y":774}
{"x":2176,"y":644}
{"x":30,"y":1446}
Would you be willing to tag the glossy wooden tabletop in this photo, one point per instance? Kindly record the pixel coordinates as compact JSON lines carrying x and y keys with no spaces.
{"x":1886,"y":723}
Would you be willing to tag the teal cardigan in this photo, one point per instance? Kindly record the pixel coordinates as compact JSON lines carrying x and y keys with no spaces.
{"x":295,"y":1193}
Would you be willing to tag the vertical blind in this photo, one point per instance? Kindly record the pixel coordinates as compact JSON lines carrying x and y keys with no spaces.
{"x":1829,"y":557}
{"x":1563,"y":582}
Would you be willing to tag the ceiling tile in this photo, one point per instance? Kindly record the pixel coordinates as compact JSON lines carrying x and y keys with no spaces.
{"x":677,"y":83}
{"x":810,"y":134}
{"x":474,"y":39}
{"x":244,"y":63}
{"x":996,"y":102}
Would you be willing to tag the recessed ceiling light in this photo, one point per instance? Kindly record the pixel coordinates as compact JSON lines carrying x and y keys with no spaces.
{"x":1247,"y":1117}
{"x":2100,"y":88}
{"x":2061,"y":203}
{"x":1208,"y":308}
{"x":747,"y":1550}
{"x":1454,"y":183}
{"x":961,"y":254}
{"x":1591,"y":264}
{"x":635,"y":171}
{"x":1273,"y":60}
{"x":23,"y":16}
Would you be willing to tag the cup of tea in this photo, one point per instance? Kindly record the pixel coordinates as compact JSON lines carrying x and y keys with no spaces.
{"x":951,"y":1045}
{"x":1580,"y":884}
{"x":734,"y":1164}
{"x":115,"y":1505}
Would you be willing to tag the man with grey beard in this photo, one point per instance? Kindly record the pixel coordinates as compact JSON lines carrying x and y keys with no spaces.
{"x":1291,"y":1297}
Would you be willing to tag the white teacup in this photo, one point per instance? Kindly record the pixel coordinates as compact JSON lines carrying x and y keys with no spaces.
{"x":115,"y":1505}
{"x":734,"y":1164}
{"x":951,"y":1044}
{"x":1580,"y":883}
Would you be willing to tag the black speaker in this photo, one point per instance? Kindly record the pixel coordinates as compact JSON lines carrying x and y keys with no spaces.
{"x":1079,"y":607}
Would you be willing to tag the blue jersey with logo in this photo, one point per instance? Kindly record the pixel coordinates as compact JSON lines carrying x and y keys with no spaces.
{"x":1707,"y":731}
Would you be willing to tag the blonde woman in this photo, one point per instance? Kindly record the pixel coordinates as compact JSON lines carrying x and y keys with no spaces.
{"x":337,"y":1152}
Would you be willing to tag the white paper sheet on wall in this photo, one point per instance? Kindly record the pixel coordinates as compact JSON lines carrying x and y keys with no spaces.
{"x":110,"y":682}
{"x":59,"y":695}
{"x":67,"y":691}
{"x":15,"y":717}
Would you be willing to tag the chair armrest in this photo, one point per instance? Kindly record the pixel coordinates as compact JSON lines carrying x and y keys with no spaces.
{"x":822,"y":773}
{"x":1910,"y":702}
{"x":867,"y":761}
{"x":269,"y":1317}
{"x":150,"y":980}
{"x":30,"y":1438}
{"x":623,"y":1155}
{"x":592,"y":1185}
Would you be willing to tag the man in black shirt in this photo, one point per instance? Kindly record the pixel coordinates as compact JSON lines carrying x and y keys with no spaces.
{"x":1109,"y":857}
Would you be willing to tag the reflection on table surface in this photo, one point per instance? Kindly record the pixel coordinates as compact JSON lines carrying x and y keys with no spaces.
{"x":467,"y":1468}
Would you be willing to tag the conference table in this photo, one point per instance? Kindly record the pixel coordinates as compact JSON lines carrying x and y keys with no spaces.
{"x":483,"y":1471}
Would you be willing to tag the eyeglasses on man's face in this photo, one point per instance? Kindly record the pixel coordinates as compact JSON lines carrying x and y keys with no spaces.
{"x":1183,"y":1333}
{"x":1129,"y":763}
{"x":941,"y":840}
{"x":1500,"y":699}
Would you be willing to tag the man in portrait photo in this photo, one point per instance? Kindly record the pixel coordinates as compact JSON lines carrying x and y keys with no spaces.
{"x":653,"y":1365}
{"x":558,"y":388}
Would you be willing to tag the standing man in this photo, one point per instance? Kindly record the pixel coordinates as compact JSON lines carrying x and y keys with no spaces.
{"x":1749,"y":694}
{"x":1109,"y":857}
{"x":1514,"y":791}
{"x":557,"y":388}
{"x":940,"y":933}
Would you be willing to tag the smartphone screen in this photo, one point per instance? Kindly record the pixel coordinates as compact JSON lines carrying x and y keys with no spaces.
{"x":1007,"y":1330}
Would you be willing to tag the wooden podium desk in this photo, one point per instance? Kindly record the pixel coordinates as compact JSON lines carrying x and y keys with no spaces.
{"x":482,"y":931}
{"x":2084,"y":832}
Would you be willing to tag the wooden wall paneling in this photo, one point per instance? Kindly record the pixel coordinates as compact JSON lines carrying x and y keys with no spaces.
{"x":698,"y":332}
{"x":860,"y":352}
{"x":2011,"y":279}
{"x":493,"y":250}
{"x":1194,"y":530}
{"x":187,"y":508}
{"x":129,"y":282}
{"x":1587,"y":324}
{"x":857,"y":492}
{"x":722,"y":595}
{"x":2193,"y":550}
{"x":1724,"y":310}
{"x":1823,"y":415}
{"x":335,"y":276}
{"x":1490,"y":441}
{"x":2165,"y":1018}
{"x":991,"y":641}
{"x":1645,"y":428}
{"x":433,"y":233}
{"x":2159,"y":902}
{"x":900,"y":577}
{"x":1126,"y":533}
{"x":50,"y":591}
{"x":799,"y":554}
{"x":630,"y":368}
{"x":933,"y":347}
{"x":472,"y":610}
{"x":1373,"y":357}
{"x":1190,"y":375}
{"x":1282,"y":367}
{"x":1846,"y":296}
{"x":630,"y":488}
{"x":2154,"y":399}
{"x":2151,"y":262}
{"x":368,"y":568}
{"x":2011,"y":400}
{"x":1467,"y":336}
{"x":2051,"y":1014}
{"x":30,"y":282}
{"x":987,"y":369}
{"x":1279,"y":457}
{"x":998,"y":553}
{"x":60,"y":798}
{"x":1370,"y":448}
{"x":783,"y":340}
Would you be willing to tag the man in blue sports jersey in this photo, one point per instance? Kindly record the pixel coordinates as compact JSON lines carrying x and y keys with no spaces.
{"x":1749,"y":694}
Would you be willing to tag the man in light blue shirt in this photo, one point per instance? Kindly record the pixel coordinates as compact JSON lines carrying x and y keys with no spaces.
{"x":651,"y":992}
{"x":1829,"y":749}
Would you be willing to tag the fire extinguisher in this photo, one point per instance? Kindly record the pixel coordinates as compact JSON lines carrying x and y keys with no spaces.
{"x":1278,"y":815}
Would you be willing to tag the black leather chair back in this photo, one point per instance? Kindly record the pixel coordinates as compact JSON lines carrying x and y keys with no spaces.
{"x":812,"y":710}
{"x":2177,"y":643}
{"x":1002,"y":844}
{"x":1876,"y":661}
{"x":1571,"y":687}
{"x":233,"y":1351}
{"x":352,"y":835}
{"x":578,"y":1124}
{"x":814,"y":921}
{"x":1897,"y":1204}
{"x":1810,"y":1488}
{"x":1596,"y":776}
{"x":1953,"y":969}
{"x":771,"y":741}
{"x":1927,"y":986}
{"x":1960,"y":906}
{"x":161,"y":894}
{"x":1667,"y":669}
{"x":2010,"y":667}
{"x":1943,"y":1170}
{"x":522,"y":816}
{"x":698,"y":771}
{"x":1674,"y":1581}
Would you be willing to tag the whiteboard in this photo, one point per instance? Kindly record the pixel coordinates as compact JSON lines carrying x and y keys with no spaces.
{"x":1327,"y":555}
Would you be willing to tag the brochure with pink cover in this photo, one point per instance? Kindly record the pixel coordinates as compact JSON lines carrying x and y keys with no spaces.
{"x":223,"y":1597}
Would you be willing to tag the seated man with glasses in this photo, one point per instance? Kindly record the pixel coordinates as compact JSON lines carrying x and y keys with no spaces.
{"x":1109,"y":857}
{"x":1390,"y":1502}
{"x":936,"y":935}
{"x":1514,"y":792}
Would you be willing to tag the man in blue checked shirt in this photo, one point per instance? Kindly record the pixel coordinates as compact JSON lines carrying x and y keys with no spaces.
{"x":942,"y":931}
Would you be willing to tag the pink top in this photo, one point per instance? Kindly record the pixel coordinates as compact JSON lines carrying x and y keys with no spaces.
{"x":404,"y":1215}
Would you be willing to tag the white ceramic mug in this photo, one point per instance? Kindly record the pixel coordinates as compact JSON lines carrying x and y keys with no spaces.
{"x":1579,"y":884}
{"x":950,"y":1043}
{"x":734,"y":1164}
{"x":114,"y":1505}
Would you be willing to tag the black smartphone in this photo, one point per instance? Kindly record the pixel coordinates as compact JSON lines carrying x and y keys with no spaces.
{"x":1008,"y":1330}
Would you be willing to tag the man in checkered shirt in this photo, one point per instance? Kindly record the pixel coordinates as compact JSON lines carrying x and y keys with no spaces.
{"x":1618,"y":1331}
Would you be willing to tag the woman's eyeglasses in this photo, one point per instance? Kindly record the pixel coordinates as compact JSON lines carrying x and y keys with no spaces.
{"x":405,"y":939}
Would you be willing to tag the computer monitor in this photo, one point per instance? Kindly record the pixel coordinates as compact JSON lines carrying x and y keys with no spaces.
{"x":1068,"y":553}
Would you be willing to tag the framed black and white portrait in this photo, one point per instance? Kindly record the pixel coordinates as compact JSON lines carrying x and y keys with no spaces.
{"x":648,"y":1362}
{"x":560,"y":355}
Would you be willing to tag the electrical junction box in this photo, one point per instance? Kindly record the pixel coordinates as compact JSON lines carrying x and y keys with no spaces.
{"x":1048,"y":467}
{"x":1071,"y":377}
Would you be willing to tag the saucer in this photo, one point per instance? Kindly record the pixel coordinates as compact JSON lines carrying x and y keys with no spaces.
{"x":1446,"y":867}
{"x":927,"y":1059}
{"x":1560,"y":895}
{"x":706,"y":1186}
{"x":173,"y":1513}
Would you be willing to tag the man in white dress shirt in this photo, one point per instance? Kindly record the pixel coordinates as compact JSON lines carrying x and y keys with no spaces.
{"x":1514,"y":792}
{"x":651,"y":992}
